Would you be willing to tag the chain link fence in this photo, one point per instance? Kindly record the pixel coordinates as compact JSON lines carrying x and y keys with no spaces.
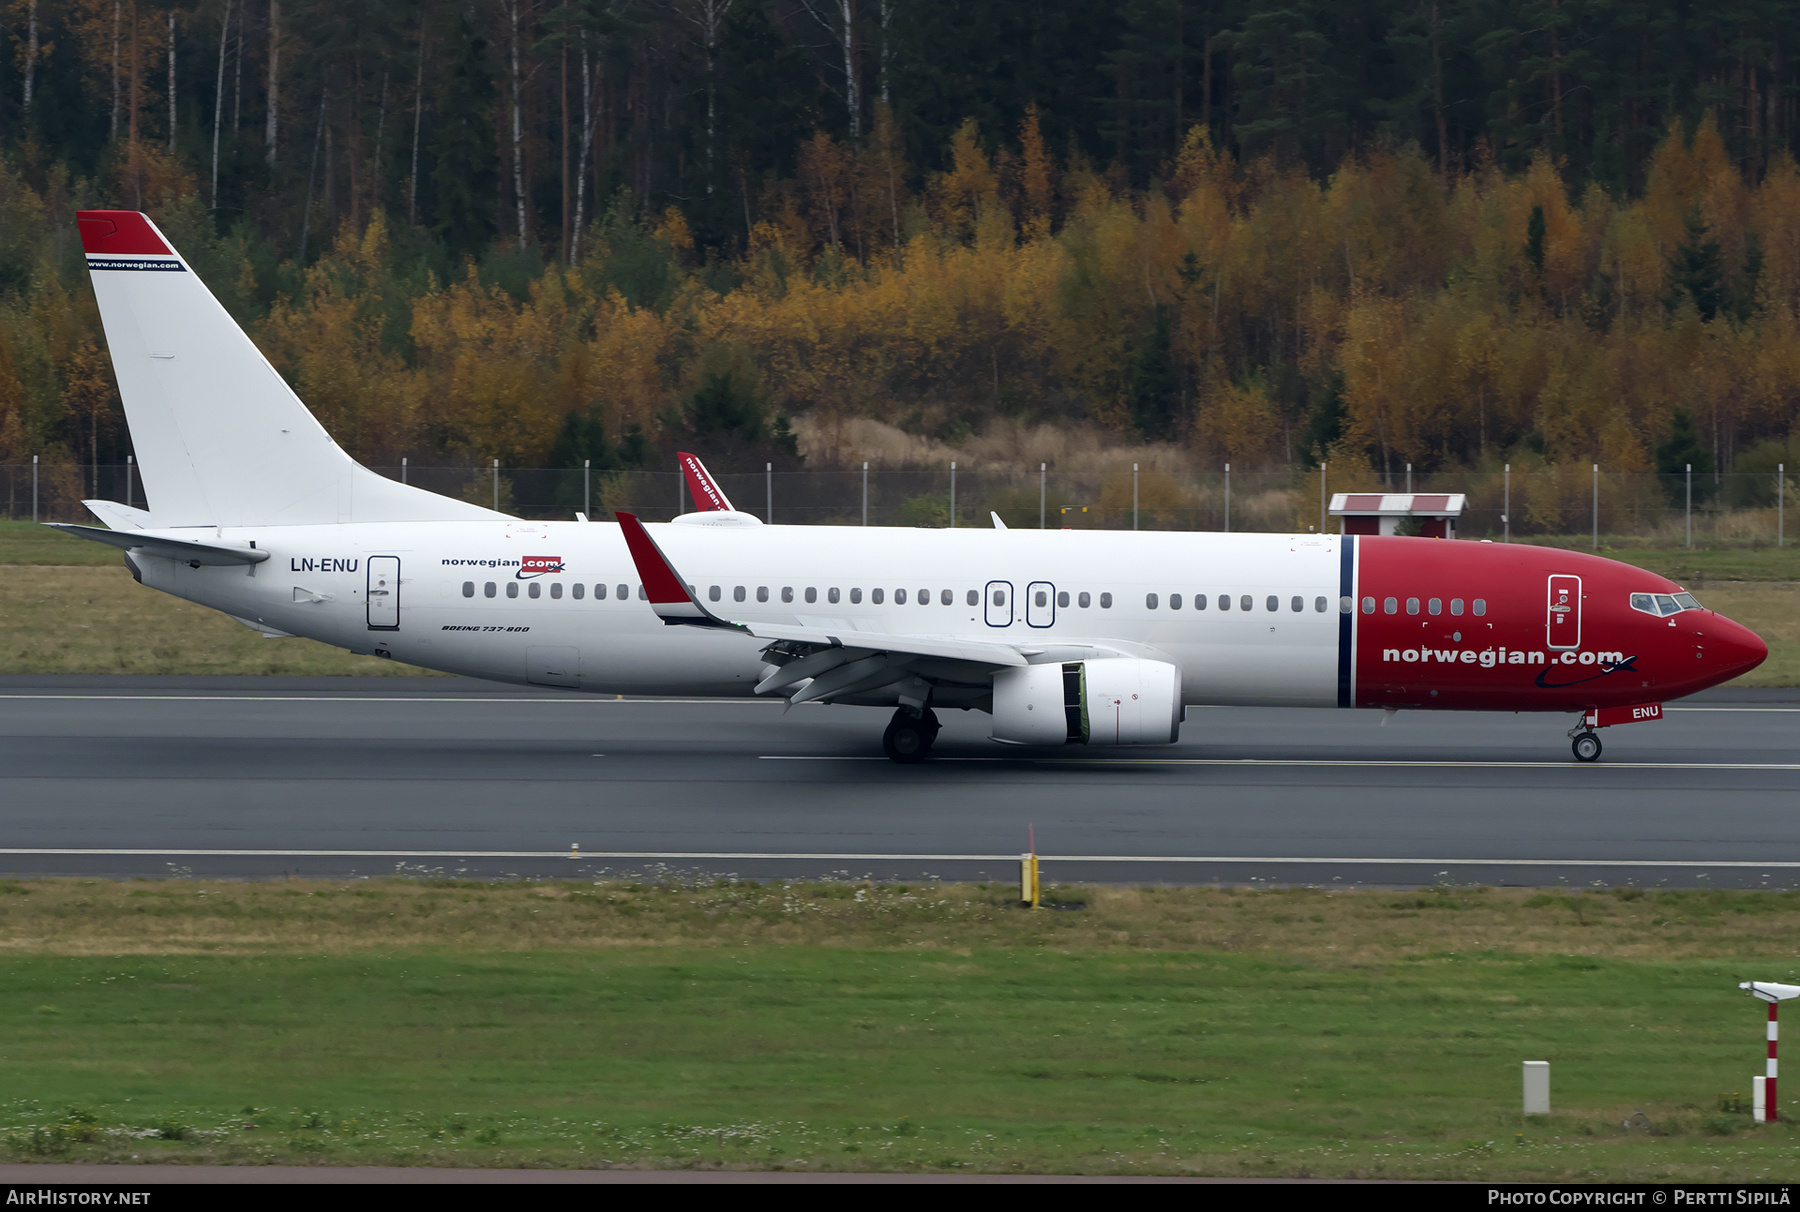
{"x":1566,"y":501}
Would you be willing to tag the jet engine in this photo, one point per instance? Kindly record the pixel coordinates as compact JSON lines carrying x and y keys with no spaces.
{"x":1115,"y":701}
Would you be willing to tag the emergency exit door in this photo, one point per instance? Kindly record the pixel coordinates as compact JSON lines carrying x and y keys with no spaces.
{"x":383,"y":595}
{"x":1563,"y":628}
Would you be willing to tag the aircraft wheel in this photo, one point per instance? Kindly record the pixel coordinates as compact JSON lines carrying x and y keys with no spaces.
{"x":1586,"y":747}
{"x":908,"y":738}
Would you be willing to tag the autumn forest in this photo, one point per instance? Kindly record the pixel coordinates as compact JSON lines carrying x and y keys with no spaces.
{"x":1377,"y":233}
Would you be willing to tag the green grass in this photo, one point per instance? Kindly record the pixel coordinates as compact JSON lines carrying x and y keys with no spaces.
{"x":1709,"y":560}
{"x":29,"y":543}
{"x":815,"y":1026}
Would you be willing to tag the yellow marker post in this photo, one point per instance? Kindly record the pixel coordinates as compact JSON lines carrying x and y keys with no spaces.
{"x":574,"y":850}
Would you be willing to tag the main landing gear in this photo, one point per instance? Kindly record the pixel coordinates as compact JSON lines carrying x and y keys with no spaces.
{"x":1586,"y":746}
{"x":909,"y":735}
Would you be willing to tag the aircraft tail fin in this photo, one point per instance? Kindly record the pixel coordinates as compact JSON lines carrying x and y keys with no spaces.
{"x":220,"y":437}
{"x":707,"y":494}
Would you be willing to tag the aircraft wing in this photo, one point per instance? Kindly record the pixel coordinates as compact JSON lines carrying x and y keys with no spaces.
{"x":819,"y":663}
{"x":188,"y":551}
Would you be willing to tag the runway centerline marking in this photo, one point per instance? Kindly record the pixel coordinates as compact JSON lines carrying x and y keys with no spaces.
{"x":747,"y":856}
{"x":1398,"y":763}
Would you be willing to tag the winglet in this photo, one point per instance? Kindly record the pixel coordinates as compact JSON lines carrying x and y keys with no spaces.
{"x":707,"y":494}
{"x":667,"y":592}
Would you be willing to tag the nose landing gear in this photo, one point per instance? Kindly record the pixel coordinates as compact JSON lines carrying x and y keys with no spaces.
{"x":908,"y":737}
{"x":1586,"y":746}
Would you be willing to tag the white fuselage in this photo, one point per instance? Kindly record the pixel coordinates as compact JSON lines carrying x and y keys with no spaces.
{"x":463,"y":600}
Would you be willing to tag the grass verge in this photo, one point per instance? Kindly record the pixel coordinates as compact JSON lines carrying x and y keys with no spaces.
{"x":857,"y":1026}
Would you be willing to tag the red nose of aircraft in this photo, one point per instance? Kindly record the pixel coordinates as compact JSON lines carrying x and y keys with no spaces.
{"x":1727,"y":649}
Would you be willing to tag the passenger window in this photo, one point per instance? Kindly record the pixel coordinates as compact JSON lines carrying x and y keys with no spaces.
{"x":737,"y":594}
{"x":1480,"y":607}
{"x":712,"y":594}
{"x":512,"y":589}
{"x":599,"y":593}
{"x":1319,"y":605}
{"x":1412,"y":605}
{"x":1083,"y":600}
{"x":1174,"y":601}
{"x":924,"y":597}
{"x":999,"y":597}
{"x":812,"y":595}
{"x":787,"y":593}
{"x":1299,"y":604}
{"x":535,"y":589}
{"x":1246,"y":602}
{"x":556,"y":589}
{"x":642,"y":596}
{"x":468,"y":589}
{"x":762,"y":593}
{"x":1456,"y":606}
{"x":1368,"y":605}
{"x":1062,"y":599}
{"x":947,"y":598}
{"x":1435,"y":605}
{"x":578,"y":591}
{"x":1224,"y":601}
{"x":974,"y":597}
{"x":1043,"y":599}
{"x":855,"y":596}
{"x":1106,"y":601}
{"x":1150,"y":601}
{"x":487,"y":591}
{"x":875,"y":596}
{"x":625,"y":592}
{"x":831,"y":595}
{"x":899,"y":597}
{"x":1390,"y":606}
{"x":1199,"y":601}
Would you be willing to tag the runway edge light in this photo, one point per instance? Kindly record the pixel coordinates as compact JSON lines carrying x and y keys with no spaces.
{"x":1763,"y":1108}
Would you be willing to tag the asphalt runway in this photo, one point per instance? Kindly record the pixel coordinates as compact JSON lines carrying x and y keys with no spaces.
{"x":336,"y":777}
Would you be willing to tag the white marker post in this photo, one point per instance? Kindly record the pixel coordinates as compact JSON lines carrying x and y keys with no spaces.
{"x":1763,"y":1105}
{"x":1537,"y":1087}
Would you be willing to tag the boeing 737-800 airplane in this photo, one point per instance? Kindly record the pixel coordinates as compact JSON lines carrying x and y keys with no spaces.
{"x":1063,"y":637}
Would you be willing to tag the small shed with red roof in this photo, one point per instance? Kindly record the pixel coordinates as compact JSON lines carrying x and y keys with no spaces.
{"x":1380,"y":512}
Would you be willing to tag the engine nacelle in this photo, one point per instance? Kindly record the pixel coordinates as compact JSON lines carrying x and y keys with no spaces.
{"x":1118,"y":701}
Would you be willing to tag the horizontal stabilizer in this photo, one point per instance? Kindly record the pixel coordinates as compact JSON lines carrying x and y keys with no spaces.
{"x":120,"y":517}
{"x":162,"y":547}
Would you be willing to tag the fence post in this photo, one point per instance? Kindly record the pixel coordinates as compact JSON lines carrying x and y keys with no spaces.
{"x":1409,"y":477}
{"x":403,"y":469}
{"x":1227,"y":498}
{"x":1596,"y":507}
{"x":769,"y":491}
{"x":952,"y":494}
{"x":865,"y":492}
{"x":496,"y":485}
{"x":1134,"y":496}
{"x":130,"y":465}
{"x":1043,"y":484}
{"x":1780,"y":502}
{"x":34,"y":503}
{"x":587,"y":488}
{"x":1506,"y":505}
{"x":1690,"y":504}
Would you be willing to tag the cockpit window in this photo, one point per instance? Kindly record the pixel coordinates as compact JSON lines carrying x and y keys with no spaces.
{"x":1664,"y":604}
